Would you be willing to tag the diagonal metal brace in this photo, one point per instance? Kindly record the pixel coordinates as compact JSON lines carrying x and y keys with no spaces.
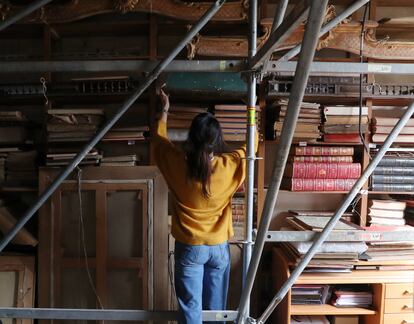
{"x":23,"y":13}
{"x":79,"y":157}
{"x":331,"y":224}
{"x":290,"y":24}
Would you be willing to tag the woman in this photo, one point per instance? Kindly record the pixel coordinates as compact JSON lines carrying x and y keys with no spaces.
{"x":202,"y":179}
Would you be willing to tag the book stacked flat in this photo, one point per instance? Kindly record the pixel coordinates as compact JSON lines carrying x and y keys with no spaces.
{"x":310,"y":294}
{"x":315,"y":168}
{"x":391,"y":252}
{"x":331,"y":256}
{"x":121,"y":160}
{"x":179,"y":121}
{"x":63,"y":158}
{"x":307,"y":127}
{"x":12,"y":128}
{"x":73,"y":125}
{"x":136,"y":133}
{"x":382,"y":126}
{"x":386,"y":212}
{"x":309,"y":319}
{"x":232,"y":119}
{"x":21,"y":168}
{"x":394,"y":173}
{"x":352,"y":296}
{"x":342,"y":124}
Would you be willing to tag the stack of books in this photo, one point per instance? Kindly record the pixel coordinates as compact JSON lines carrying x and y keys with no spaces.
{"x":409,"y":212}
{"x":310,"y":294}
{"x":232,"y":119}
{"x":315,"y":168}
{"x":331,"y":256}
{"x":342,"y":124}
{"x":352,"y":296}
{"x":308,"y":319}
{"x":63,"y":158}
{"x":73,"y":125}
{"x":179,"y":121}
{"x":386,"y":212}
{"x":238,"y":211}
{"x":382,"y":126}
{"x":12,"y":128}
{"x":121,"y":160}
{"x":309,"y":121}
{"x":21,"y":168}
{"x":129,"y":134}
{"x":394,"y":173}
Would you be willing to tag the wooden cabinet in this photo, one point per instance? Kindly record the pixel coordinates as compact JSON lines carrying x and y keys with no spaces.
{"x":392,"y":294}
{"x":103,"y":240}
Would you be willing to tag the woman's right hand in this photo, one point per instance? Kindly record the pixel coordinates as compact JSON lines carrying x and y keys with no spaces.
{"x":165,"y":101}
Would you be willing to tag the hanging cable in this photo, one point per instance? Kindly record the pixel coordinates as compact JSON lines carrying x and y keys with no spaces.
{"x":361,"y":59}
{"x":44,"y":90}
{"x":82,"y":227}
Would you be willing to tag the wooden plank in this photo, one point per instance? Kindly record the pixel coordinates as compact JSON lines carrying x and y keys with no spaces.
{"x":147,"y":253}
{"x":112,"y":263}
{"x":160,"y":242}
{"x":327,"y":309}
{"x":44,"y":265}
{"x":56,"y":251}
{"x":101,"y":270}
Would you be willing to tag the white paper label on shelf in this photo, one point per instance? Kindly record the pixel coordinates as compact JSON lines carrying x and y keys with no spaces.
{"x":364,"y":192}
{"x":382,"y":68}
{"x":303,"y":144}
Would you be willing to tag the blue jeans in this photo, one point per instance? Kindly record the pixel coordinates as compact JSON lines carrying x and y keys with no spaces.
{"x":201,"y":279}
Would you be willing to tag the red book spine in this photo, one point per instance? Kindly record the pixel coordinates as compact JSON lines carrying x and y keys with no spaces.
{"x":342,"y":138}
{"x":329,"y":159}
{"x":324,"y":150}
{"x":322,"y":184}
{"x":309,"y":170}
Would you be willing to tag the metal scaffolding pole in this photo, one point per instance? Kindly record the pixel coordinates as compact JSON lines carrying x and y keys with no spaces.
{"x":289,"y":25}
{"x":331,"y":224}
{"x":23,"y":13}
{"x":327,"y":27}
{"x":298,"y":89}
{"x":250,"y":138}
{"x":107,"y":314}
{"x":279,"y":14}
{"x":78,"y":158}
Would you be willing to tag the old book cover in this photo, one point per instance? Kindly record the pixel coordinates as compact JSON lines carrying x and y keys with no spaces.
{"x":323,"y":150}
{"x":318,"y":184}
{"x":381,"y":178}
{"x":344,"y":129}
{"x":342,"y":138}
{"x":387,"y":121}
{"x":323,"y":159}
{"x":379,"y":138}
{"x":387,"y":129}
{"x":347,"y":120}
{"x":344,"y":111}
{"x":387,"y":204}
{"x":306,"y":170}
{"x":394,"y":171}
{"x":397,"y":162}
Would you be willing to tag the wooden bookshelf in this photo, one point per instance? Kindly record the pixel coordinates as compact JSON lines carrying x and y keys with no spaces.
{"x":329,"y":310}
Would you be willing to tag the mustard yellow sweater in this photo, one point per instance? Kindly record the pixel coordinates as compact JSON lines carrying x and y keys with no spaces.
{"x":197,"y":220}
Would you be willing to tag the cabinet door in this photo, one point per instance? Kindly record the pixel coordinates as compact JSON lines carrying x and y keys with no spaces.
{"x":97,"y":243}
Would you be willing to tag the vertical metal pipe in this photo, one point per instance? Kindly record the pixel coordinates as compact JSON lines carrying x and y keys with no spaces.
{"x":279,"y":14}
{"x":23,"y":13}
{"x":78,"y":158}
{"x":251,"y":154}
{"x":313,"y":26}
{"x":331,"y":224}
{"x":327,"y":27}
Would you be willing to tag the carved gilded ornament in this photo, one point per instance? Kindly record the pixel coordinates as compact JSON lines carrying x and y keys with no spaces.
{"x":188,"y":11}
{"x":345,"y":37}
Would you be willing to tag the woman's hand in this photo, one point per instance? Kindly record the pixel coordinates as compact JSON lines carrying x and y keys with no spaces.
{"x":165,"y":101}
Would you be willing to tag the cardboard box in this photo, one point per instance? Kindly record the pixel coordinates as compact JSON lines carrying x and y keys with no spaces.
{"x":345,"y":319}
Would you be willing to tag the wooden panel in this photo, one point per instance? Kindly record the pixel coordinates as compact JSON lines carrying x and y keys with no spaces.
{"x":399,"y":318}
{"x":21,"y":290}
{"x":109,"y":267}
{"x":398,"y":305}
{"x":378,"y":292}
{"x":399,"y":291}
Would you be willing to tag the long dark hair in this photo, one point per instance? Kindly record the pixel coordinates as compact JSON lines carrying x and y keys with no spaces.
{"x":205,"y":137}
